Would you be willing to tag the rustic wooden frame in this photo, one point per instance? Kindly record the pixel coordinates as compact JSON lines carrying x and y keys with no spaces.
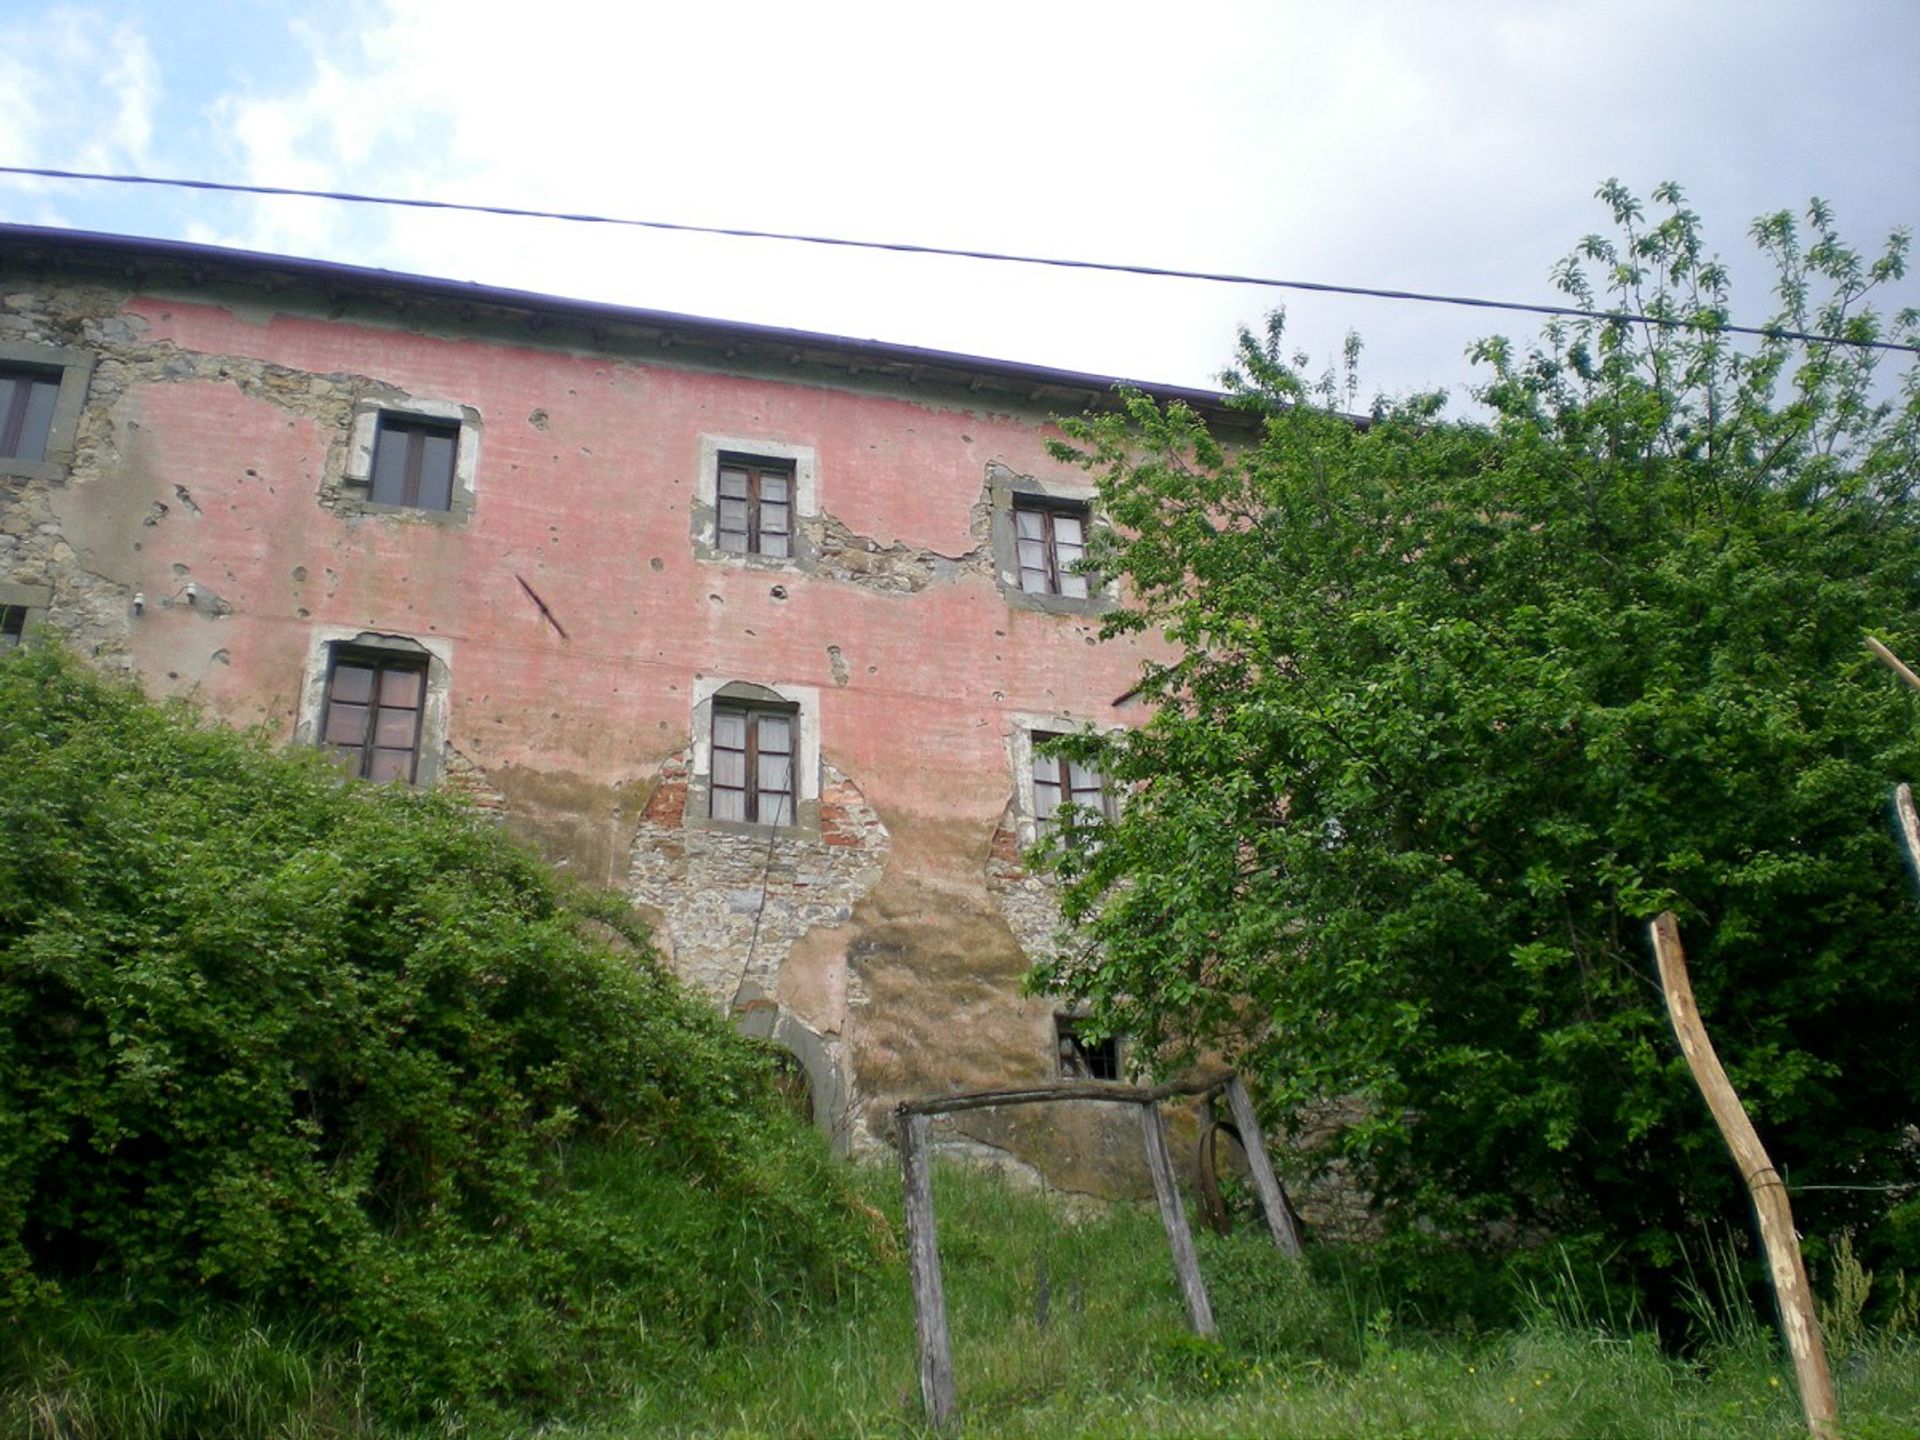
{"x":757,"y":469}
{"x":923,"y":1247}
{"x":1051,"y":571}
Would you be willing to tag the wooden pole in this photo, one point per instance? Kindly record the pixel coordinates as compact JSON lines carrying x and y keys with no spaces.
{"x":923,"y":1262}
{"x":1909,"y":822}
{"x":1893,"y":662}
{"x":1273,"y":1199}
{"x":1186,"y":1264}
{"x":1770,"y":1207}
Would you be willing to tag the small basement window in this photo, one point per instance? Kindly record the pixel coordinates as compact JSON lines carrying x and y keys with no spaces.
{"x":21,"y":605}
{"x":374,"y":707}
{"x":413,"y":463}
{"x":1080,"y":1056}
{"x":753,"y":764}
{"x":754,"y":506}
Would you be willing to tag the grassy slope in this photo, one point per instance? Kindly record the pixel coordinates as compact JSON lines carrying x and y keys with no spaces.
{"x":1318,"y":1356}
{"x":1324,"y":1356}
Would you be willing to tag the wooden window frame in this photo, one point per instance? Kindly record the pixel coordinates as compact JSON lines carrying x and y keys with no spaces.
{"x":68,"y":370}
{"x":751,"y":791}
{"x":365,"y":749}
{"x":417,"y":430}
{"x":13,"y":625}
{"x":24,"y":381}
{"x":757,"y":469}
{"x":1062,"y":782}
{"x":1053,"y":574}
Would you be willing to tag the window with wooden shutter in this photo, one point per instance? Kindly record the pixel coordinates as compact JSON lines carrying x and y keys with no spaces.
{"x":754,"y":504}
{"x":1051,"y":541}
{"x":413,"y":463}
{"x":1058,"y":781}
{"x":753,"y":764}
{"x":372,"y":722}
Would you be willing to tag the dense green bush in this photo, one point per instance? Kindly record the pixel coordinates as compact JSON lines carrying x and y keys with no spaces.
{"x":1458,"y":708}
{"x":348,"y":1052}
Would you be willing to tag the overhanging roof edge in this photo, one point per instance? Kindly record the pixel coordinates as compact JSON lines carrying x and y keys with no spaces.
{"x":30,"y":238}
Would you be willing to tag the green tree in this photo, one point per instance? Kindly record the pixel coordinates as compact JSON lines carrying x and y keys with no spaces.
{"x":1459,"y":706}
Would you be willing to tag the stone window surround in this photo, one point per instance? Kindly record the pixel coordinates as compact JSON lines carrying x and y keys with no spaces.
{"x":357,"y":478}
{"x":706,"y":494}
{"x":1002,"y":486}
{"x":75,"y":368}
{"x":323,"y":641}
{"x":804,"y":702}
{"x":1020,"y":757}
{"x":36,"y":600}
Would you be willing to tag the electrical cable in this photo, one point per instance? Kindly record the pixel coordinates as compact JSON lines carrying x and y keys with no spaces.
{"x":1769,"y":332}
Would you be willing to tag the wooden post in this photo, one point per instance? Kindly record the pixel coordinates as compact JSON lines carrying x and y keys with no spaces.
{"x":1770,"y":1207}
{"x":1893,"y":662}
{"x":923,"y":1260}
{"x":1273,"y":1200}
{"x":1186,"y":1264}
{"x":1909,"y":823}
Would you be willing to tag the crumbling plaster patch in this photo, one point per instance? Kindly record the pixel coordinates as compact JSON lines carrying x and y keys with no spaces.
{"x":49,"y":523}
{"x":733,"y":904}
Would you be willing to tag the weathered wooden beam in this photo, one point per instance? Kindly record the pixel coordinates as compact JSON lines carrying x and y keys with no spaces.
{"x":1893,"y":662}
{"x":923,"y":1261}
{"x":1770,"y":1206}
{"x":1074,"y":1090}
{"x":1186,"y":1264}
{"x":1273,"y":1199}
{"x":1909,"y":822}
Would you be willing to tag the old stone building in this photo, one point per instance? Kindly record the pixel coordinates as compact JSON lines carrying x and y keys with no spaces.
{"x":758,"y":626}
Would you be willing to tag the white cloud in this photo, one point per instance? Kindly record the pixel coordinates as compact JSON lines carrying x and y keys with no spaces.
{"x":76,"y":92}
{"x":1401,"y":144}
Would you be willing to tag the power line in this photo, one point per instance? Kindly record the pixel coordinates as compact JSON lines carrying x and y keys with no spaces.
{"x":1769,"y":332}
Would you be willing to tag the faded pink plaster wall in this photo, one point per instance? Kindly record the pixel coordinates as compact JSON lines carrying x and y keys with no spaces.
{"x":582,"y":509}
{"x":218,"y":437}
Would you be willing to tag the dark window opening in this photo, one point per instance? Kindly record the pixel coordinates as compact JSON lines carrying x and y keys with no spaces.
{"x":413,"y":463}
{"x":754,"y":500}
{"x":1051,"y":540}
{"x":27,"y":399}
{"x":752,"y":776}
{"x":1082,"y":1057}
{"x":1058,"y":781}
{"x":13,"y":625}
{"x":374,"y":705}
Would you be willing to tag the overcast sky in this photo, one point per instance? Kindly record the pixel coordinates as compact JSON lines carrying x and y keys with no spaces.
{"x":1401,"y":143}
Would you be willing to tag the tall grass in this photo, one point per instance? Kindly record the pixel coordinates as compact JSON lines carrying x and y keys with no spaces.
{"x":94,"y":1371}
{"x":1064,"y":1323}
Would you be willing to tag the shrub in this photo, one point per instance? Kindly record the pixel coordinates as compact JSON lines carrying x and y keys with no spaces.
{"x":348,"y":1051}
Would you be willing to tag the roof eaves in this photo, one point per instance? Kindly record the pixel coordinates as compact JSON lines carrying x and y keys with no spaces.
{"x":138,"y":255}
